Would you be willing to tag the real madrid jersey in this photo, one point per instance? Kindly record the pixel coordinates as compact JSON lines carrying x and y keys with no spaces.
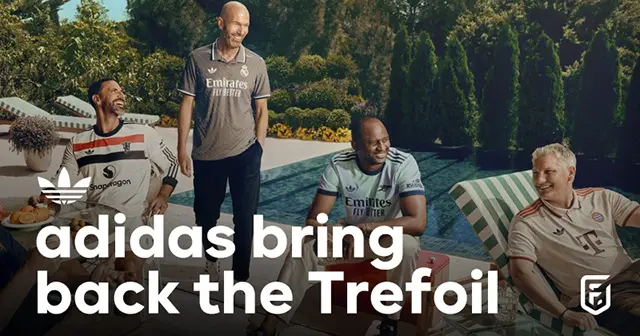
{"x":120,"y":164}
{"x":372,"y":196}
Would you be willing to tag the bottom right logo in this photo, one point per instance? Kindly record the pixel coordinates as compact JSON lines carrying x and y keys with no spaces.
{"x":595,"y":299}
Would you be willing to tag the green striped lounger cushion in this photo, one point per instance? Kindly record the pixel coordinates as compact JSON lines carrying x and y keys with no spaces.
{"x":489,"y":204}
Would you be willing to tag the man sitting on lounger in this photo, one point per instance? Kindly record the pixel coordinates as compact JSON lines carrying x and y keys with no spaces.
{"x":571,"y":233}
{"x":119,"y":157}
{"x":380,"y":186}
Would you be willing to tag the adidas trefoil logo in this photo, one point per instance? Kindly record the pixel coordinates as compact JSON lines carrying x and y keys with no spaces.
{"x":64,"y":194}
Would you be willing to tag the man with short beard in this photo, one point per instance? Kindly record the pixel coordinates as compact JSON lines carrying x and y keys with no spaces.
{"x":119,"y":158}
{"x":572,"y":233}
{"x":380,"y":186}
{"x":224,"y":79}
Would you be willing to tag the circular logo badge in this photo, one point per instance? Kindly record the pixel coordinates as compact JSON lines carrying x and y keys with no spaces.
{"x":598,"y":217}
{"x":244,"y":71}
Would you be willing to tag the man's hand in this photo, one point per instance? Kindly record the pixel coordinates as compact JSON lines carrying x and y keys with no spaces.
{"x":37,"y":262}
{"x":185,"y":163}
{"x":158,"y":205}
{"x":584,"y":321}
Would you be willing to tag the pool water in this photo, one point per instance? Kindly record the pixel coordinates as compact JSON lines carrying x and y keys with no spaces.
{"x":286,"y":194}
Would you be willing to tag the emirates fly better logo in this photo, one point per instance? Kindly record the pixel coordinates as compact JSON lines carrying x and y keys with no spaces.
{"x":64,"y":193}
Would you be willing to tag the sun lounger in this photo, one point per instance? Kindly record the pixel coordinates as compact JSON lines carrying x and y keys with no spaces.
{"x":22,"y":108}
{"x":83,"y":109}
{"x":489,"y":204}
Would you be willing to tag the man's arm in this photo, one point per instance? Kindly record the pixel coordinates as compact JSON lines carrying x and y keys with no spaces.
{"x":188,"y":86}
{"x":162,"y":157}
{"x":184,"y":126}
{"x":524,"y":277}
{"x":413,"y":202}
{"x":413,"y":220}
{"x":321,"y":204}
{"x":625,"y":211}
{"x":261,"y":92}
{"x":262,"y":120}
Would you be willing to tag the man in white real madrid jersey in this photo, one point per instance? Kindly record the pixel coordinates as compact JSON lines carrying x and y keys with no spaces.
{"x":119,"y":158}
{"x":380,"y":185}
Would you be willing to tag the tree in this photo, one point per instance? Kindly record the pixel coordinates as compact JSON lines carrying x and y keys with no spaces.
{"x":399,"y":62}
{"x":629,"y":141}
{"x":500,"y":94}
{"x":419,"y":120}
{"x":542,"y":97}
{"x":599,"y":98}
{"x":172,"y":25}
{"x":458,"y":111}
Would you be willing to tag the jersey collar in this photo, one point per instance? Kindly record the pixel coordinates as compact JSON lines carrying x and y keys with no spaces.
{"x":241,"y":57}
{"x":108,"y":134}
{"x":558,"y":212}
{"x":373,"y":172}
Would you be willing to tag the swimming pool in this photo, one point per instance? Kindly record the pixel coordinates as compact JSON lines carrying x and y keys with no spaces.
{"x":286,"y":193}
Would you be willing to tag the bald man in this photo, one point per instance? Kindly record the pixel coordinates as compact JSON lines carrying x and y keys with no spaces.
{"x":380,"y":186}
{"x":225,"y":79}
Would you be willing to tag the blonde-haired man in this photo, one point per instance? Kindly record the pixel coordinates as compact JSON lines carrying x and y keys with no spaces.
{"x":570,"y":233}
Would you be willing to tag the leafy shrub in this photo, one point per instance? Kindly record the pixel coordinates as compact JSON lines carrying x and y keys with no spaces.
{"x":293,"y":117}
{"x":281,"y":100}
{"x":338,"y":118}
{"x":350,"y":101}
{"x":280,"y":71}
{"x":36,"y":134}
{"x":310,"y":68}
{"x":364,"y":109}
{"x":319,"y":94}
{"x":341,"y":66}
{"x":317,"y":117}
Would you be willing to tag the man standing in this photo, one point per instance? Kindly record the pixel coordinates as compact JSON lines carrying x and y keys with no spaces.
{"x":224,"y":78}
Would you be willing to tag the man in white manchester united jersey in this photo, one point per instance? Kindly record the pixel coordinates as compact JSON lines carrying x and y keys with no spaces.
{"x":120,"y":158}
{"x":380,"y":185}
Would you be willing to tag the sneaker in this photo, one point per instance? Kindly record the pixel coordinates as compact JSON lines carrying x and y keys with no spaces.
{"x":213,"y":269}
{"x":388,"y":328}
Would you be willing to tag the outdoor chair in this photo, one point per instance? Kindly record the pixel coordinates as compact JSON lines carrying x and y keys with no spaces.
{"x":22,"y":108}
{"x":82,"y":108}
{"x":489,"y":204}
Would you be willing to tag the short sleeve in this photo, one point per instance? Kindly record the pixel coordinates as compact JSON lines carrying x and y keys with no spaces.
{"x":188,"y":78}
{"x":262,"y":88}
{"x":521,"y":243}
{"x":329,"y":182}
{"x":621,"y":207}
{"x":409,"y":181}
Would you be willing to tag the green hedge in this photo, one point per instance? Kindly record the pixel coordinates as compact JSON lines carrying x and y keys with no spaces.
{"x":312,"y":118}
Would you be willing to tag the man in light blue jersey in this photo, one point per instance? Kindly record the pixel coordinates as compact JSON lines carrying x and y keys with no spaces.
{"x":380,"y":185}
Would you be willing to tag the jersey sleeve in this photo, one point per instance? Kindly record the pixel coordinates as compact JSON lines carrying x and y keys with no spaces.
{"x":188,"y":78}
{"x":521,"y":242}
{"x":621,"y":207}
{"x":70,"y":164}
{"x":162,"y":157}
{"x":409,"y":181}
{"x":329,"y":181}
{"x":262,"y":88}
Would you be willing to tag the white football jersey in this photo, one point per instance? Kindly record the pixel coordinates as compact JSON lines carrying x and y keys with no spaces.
{"x":372,"y":196}
{"x":120,"y":165}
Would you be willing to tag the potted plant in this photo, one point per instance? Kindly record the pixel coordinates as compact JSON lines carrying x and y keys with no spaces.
{"x":35,"y":136}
